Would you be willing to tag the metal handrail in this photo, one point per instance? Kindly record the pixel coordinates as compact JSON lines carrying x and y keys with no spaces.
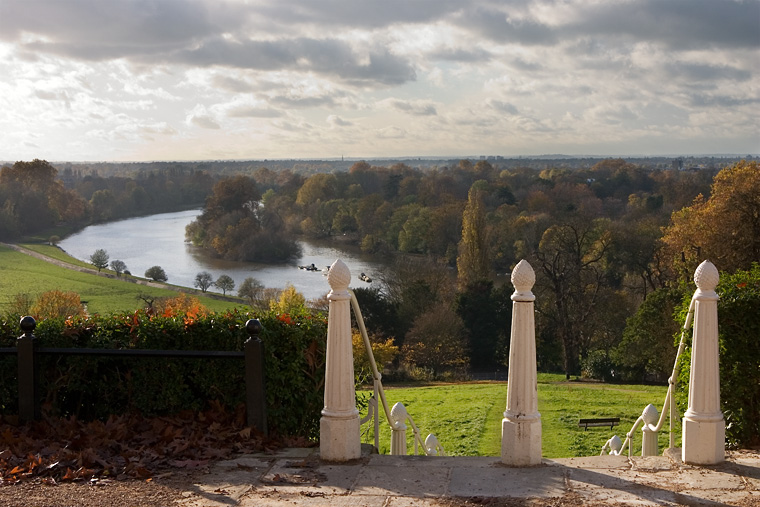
{"x":432,"y":448}
{"x":614,"y":445}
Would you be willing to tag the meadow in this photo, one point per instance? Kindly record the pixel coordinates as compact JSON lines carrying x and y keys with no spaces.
{"x":466,"y":417}
{"x":23,"y":274}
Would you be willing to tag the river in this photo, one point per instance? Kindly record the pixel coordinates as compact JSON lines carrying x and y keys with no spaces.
{"x":159,"y":240}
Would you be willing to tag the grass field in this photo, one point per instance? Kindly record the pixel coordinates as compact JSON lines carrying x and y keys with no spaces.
{"x":20,"y":273}
{"x":466,"y":418}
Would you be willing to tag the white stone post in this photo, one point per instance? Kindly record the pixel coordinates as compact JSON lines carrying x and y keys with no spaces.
{"x":521,"y":426}
{"x":339,"y":438}
{"x":649,"y":432}
{"x":704,"y":430}
{"x":398,"y":429}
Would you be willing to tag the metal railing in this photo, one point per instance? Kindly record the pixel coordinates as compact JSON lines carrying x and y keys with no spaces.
{"x":27,"y":352}
{"x":397,"y":417}
{"x":648,"y":417}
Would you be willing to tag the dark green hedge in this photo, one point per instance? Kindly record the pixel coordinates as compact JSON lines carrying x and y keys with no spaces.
{"x":92,"y":388}
{"x":739,"y":334}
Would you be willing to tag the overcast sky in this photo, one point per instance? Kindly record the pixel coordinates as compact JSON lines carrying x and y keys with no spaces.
{"x":212,"y":79}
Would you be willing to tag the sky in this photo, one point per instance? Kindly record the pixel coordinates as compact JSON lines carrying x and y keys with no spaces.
{"x":139,"y":80}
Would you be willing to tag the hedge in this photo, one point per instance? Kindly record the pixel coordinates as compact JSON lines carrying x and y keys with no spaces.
{"x":89,"y":387}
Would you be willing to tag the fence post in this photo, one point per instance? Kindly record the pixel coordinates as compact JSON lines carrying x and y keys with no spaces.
{"x":521,"y":426}
{"x":398,"y":429}
{"x":704,"y":429}
{"x":649,"y":431}
{"x":28,"y":408}
{"x":255,"y":392}
{"x":339,"y":437}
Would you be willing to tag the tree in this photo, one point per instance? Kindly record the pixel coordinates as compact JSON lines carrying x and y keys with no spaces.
{"x":156,"y":273}
{"x":99,"y":259}
{"x":436,"y":341}
{"x":251,"y":289}
{"x":118,"y":266}
{"x":724,"y":228}
{"x":225,"y":282}
{"x":571,"y":272}
{"x":472,"y":262}
{"x":203,"y":280}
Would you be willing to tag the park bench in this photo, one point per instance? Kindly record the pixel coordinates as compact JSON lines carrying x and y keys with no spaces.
{"x":607,"y":421}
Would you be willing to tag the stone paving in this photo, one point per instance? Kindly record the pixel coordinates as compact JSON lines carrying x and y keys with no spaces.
{"x":298,"y":476}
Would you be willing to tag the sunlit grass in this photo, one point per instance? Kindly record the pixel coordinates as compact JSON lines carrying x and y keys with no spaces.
{"x":466,"y":418}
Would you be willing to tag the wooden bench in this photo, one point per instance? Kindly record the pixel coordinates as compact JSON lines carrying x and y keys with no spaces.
{"x":608,"y":421}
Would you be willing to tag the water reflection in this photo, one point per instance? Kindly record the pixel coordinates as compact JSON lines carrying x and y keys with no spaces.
{"x":160,"y":240}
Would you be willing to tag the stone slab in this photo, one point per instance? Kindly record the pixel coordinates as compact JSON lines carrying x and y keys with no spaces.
{"x":503,"y":481}
{"x":323,"y":478}
{"x":433,"y":461}
{"x":389,"y":480}
{"x":592,"y":462}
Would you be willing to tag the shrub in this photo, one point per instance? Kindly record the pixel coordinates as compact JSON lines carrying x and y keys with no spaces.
{"x":56,"y":303}
{"x":738,"y":328}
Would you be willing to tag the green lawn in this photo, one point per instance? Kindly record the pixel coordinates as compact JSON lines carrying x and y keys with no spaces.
{"x":466,"y":418}
{"x":20,"y":273}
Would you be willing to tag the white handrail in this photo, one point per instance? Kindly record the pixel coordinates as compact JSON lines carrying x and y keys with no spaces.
{"x":379,"y":393}
{"x":669,"y":403}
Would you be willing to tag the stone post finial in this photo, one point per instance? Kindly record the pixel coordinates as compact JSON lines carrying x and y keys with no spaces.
{"x":706,"y":277}
{"x":339,"y":276}
{"x":523,"y":278}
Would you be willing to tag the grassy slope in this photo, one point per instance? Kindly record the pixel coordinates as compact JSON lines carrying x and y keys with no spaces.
{"x":21,"y":273}
{"x":466,"y":418}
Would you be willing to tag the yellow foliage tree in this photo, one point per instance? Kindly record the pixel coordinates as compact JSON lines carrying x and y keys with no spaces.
{"x":181,"y":305}
{"x":56,"y":303}
{"x":383,"y":351}
{"x":724,"y":228}
{"x":291,"y":301}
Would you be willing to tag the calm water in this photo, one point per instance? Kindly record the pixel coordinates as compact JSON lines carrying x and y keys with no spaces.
{"x":160,"y":240}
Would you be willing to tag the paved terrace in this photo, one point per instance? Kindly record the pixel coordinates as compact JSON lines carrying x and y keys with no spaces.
{"x":299,"y":477}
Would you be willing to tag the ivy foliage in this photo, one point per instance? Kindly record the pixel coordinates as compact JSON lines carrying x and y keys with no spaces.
{"x":92,"y":387}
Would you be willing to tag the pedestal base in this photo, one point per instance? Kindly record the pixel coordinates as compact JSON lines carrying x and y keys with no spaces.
{"x":339,"y":439}
{"x":704,"y":442}
{"x":521,"y":442}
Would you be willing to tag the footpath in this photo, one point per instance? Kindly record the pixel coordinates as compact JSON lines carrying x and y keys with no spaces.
{"x":299,"y":477}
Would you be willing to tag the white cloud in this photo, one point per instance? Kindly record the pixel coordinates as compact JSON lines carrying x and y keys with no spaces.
{"x":387,"y":78}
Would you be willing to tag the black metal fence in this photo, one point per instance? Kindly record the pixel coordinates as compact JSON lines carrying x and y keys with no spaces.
{"x":27,"y":351}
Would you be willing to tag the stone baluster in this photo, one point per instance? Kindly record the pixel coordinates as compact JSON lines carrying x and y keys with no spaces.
{"x":339,"y":438}
{"x":521,"y":426}
{"x":649,"y":431}
{"x":704,"y":429}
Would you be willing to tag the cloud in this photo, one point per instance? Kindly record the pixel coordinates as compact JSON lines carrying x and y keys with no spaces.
{"x":413,"y":107}
{"x":337,"y":121}
{"x":253,"y":112}
{"x":503,"y":107}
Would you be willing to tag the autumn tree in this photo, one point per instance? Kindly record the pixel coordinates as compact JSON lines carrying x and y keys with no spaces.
{"x":99,"y":259}
{"x":203,"y":280}
{"x":436,"y":341}
{"x":225,"y":282}
{"x":472,"y":262}
{"x":724,"y":228}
